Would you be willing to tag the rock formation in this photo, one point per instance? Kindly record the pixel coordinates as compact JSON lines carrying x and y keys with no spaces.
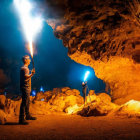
{"x":66,"y":100}
{"x":2,"y":117}
{"x":103,"y":35}
{"x":57,"y":100}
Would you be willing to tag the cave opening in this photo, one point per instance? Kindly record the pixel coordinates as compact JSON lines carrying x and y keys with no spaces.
{"x":54,"y":68}
{"x":59,"y":70}
{"x":79,"y":34}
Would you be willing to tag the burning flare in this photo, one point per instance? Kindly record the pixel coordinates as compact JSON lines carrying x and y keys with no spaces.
{"x":31,"y":25}
{"x":86,"y":75}
{"x":31,"y":48}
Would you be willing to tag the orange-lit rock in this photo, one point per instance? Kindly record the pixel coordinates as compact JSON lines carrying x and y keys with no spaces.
{"x":39,"y":108}
{"x":129,"y":109}
{"x":99,"y":105}
{"x":57,"y":100}
{"x":2,"y":117}
{"x":39,"y":96}
{"x":69,"y":101}
{"x":12,"y":107}
{"x":65,"y":98}
{"x":65,"y":89}
{"x":73,"y":109}
{"x":96,"y":105}
{"x":104,"y":97}
{"x":103,"y":35}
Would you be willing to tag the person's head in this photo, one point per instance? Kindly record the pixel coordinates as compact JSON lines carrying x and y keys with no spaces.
{"x":26,"y":60}
{"x":83,"y":83}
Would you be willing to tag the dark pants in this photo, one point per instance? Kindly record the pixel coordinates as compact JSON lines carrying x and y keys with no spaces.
{"x":84,"y":90}
{"x":24,"y":107}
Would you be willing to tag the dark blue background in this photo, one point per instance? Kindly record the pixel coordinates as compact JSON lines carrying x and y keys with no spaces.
{"x":53,"y":67}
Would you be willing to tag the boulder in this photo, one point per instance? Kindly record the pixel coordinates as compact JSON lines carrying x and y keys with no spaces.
{"x":65,"y":89}
{"x":2,"y":117}
{"x":39,"y":96}
{"x":104,"y":97}
{"x":39,"y":108}
{"x":129,"y":109}
{"x":61,"y":98}
{"x":12,"y":107}
{"x":97,"y":105}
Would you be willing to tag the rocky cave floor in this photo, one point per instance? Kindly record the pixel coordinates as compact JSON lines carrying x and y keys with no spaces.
{"x":61,"y":115}
{"x":71,"y":127}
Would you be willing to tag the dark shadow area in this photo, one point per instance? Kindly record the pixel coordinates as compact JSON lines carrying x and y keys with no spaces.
{"x":136,"y":56}
{"x":12,"y":123}
{"x":54,"y":69}
{"x":89,"y":112}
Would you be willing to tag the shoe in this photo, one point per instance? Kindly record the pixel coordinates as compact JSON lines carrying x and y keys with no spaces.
{"x":23,"y":122}
{"x":30,"y":118}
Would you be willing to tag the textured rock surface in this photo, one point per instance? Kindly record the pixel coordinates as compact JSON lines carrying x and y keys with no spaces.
{"x":63,"y":98}
{"x":100,"y":105}
{"x":57,"y":100}
{"x":129,"y":109}
{"x":103,"y":35}
{"x":66,"y":100}
{"x":2,"y":117}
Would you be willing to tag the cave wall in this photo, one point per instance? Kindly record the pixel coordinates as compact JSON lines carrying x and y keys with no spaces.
{"x":104,"y":35}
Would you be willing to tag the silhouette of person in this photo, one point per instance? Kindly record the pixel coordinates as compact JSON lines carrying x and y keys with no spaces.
{"x":84,"y":90}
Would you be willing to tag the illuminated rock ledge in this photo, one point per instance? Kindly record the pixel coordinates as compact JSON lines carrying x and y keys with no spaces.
{"x":103,"y":35}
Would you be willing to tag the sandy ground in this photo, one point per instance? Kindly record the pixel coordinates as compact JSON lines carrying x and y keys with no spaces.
{"x":71,"y":127}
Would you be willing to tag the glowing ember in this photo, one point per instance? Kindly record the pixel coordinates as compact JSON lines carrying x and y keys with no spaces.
{"x":31,"y":25}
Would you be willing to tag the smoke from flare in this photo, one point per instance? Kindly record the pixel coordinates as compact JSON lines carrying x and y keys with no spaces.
{"x":31,"y":25}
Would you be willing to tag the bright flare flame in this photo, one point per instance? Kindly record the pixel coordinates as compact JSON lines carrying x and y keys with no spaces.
{"x":31,"y":48}
{"x":86,"y":75}
{"x":31,"y":25}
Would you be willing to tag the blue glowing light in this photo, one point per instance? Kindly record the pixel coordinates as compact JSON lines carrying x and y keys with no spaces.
{"x":86,"y":75}
{"x":41,"y":89}
{"x":42,"y":99}
{"x":33,"y":93}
